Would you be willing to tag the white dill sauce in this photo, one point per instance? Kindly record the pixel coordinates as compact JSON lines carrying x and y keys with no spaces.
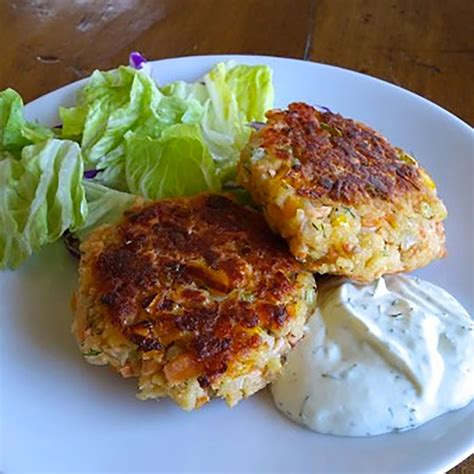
{"x":376,"y":358}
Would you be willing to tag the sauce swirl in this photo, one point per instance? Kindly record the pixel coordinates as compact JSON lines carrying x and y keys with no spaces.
{"x":377,"y":358}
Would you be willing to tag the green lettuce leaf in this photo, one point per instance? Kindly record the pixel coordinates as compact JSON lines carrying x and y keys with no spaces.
{"x":15,"y":131}
{"x":41,"y":196}
{"x":106,"y":206}
{"x":116,"y":102}
{"x":176,"y":164}
{"x":232,"y":96}
{"x":124,"y":100}
{"x":148,"y":141}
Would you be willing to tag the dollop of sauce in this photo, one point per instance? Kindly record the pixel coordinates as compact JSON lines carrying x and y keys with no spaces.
{"x":377,"y":358}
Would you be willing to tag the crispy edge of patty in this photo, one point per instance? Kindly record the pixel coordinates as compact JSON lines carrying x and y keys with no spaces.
{"x":110,"y":346}
{"x":360,"y":230}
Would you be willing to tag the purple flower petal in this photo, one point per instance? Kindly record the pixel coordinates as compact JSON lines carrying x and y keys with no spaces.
{"x":256,"y":125}
{"x":323,"y":108}
{"x":90,"y":174}
{"x":136,"y":60}
{"x":72,"y":244}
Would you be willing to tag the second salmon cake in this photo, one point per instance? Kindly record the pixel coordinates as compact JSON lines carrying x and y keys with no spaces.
{"x":346,"y":200}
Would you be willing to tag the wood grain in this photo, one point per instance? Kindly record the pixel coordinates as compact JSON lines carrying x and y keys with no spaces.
{"x":53,"y":43}
{"x":426,"y":46}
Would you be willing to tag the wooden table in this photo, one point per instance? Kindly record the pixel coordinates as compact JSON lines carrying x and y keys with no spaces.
{"x":426,"y":46}
{"x":423,"y":45}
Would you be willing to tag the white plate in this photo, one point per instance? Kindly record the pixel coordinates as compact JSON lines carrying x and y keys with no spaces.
{"x":60,"y":414}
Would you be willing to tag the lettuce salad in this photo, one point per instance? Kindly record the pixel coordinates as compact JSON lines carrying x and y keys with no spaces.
{"x":127,"y":138}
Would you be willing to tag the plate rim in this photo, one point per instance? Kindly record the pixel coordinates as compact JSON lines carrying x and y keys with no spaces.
{"x":464,"y":451}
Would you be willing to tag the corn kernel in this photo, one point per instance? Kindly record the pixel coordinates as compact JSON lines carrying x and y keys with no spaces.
{"x":427,"y":181}
{"x":339,"y":221}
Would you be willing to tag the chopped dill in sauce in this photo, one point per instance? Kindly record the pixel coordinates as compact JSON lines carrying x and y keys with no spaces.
{"x":376,"y":342}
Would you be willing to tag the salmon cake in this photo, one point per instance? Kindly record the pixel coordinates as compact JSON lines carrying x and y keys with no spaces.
{"x":194,"y":296}
{"x":347,"y":201}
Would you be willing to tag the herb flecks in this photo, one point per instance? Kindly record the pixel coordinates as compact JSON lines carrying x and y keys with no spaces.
{"x":349,"y":211}
{"x":341,"y":375}
{"x":303,"y":406}
{"x":333,"y":131}
{"x":92,"y":353}
{"x":330,"y":376}
{"x":247,"y":297}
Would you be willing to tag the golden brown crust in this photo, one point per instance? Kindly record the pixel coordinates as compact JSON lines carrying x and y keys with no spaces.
{"x":195,"y":273}
{"x":346,"y":201}
{"x":337,"y":158}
